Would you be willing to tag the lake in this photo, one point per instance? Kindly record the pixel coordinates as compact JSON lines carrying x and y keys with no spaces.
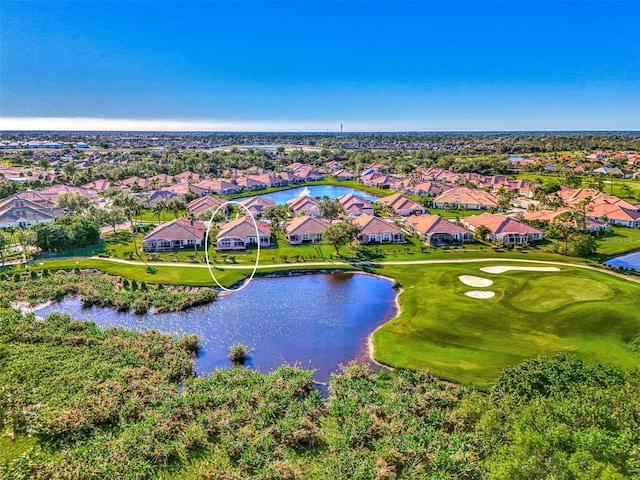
{"x":331,"y":191}
{"x":315,"y":321}
{"x":631,"y":260}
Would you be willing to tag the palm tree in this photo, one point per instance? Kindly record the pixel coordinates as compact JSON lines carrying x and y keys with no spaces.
{"x":191,"y":218}
{"x":158,"y":209}
{"x":131,"y":209}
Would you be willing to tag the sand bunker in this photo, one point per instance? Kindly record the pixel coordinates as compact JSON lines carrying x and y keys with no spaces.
{"x":472,"y":281}
{"x":506,"y":268}
{"x":480,"y":294}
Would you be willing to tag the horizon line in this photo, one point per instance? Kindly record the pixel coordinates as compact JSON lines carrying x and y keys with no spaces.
{"x":96,"y":124}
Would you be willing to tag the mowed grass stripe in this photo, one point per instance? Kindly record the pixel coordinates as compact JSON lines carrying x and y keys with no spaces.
{"x":466,"y":340}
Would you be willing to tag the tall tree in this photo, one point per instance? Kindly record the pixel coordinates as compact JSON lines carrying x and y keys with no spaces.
{"x":330,"y":208}
{"x":340,"y":234}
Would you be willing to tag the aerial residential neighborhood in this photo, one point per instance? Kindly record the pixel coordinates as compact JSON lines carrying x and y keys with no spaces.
{"x":315,"y":240}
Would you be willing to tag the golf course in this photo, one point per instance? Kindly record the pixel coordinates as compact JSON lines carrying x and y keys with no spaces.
{"x":470,"y":340}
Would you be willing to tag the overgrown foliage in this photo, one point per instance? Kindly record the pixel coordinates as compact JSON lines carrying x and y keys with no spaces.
{"x":100,"y":290}
{"x":117,"y":404}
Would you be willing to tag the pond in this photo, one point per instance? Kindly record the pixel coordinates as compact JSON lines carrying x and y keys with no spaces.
{"x":314,"y":321}
{"x":630,"y":260}
{"x":330,"y":191}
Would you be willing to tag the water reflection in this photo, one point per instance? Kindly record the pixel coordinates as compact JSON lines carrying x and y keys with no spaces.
{"x":314,"y":321}
{"x":330,"y":191}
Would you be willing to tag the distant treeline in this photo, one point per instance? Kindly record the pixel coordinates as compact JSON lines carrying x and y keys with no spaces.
{"x":464,"y":143}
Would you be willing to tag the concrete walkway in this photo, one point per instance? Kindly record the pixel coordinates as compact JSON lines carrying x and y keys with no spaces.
{"x":338,"y":264}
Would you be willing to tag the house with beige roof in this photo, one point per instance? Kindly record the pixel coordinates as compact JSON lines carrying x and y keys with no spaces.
{"x":241,"y":233}
{"x":188,"y":177}
{"x":22,"y":210}
{"x":614,"y":214}
{"x":177,"y":234}
{"x":269,"y":180}
{"x":290,"y":178}
{"x":547,"y":216}
{"x":401,"y":204}
{"x":463,"y":197}
{"x":428,"y":188}
{"x":249,"y":184}
{"x":376,"y":230}
{"x":305,"y":229}
{"x":218,"y":186}
{"x":503,"y":229}
{"x":141,"y":183}
{"x":342,"y":175}
{"x":185,"y":188}
{"x":437,"y":231}
{"x":161,"y":180}
{"x":98,"y":185}
{"x":256,"y":204}
{"x":355,"y":205}
{"x":306,"y":204}
{"x":203,"y":204}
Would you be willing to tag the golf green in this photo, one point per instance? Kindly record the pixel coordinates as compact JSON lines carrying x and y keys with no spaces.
{"x":470,"y":340}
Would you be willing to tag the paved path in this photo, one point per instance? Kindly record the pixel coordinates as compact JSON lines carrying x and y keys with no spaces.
{"x":338,"y":264}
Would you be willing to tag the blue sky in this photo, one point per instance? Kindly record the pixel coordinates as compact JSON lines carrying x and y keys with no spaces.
{"x":241,"y":65}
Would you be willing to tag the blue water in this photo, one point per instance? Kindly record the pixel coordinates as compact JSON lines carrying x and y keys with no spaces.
{"x":515,"y":158}
{"x":314,"y":321}
{"x":631,"y":260}
{"x":331,"y":191}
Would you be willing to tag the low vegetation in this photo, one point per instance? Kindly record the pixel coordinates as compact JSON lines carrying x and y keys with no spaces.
{"x":116,"y":404}
{"x":96,"y":289}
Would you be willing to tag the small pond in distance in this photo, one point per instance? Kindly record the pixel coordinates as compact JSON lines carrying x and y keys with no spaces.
{"x":331,"y":191}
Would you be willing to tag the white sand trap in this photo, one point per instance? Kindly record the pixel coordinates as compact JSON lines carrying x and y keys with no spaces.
{"x":483,"y":294}
{"x":472,"y":281}
{"x":506,"y":268}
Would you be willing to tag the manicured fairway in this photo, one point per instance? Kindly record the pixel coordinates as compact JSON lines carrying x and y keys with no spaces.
{"x":468,"y":340}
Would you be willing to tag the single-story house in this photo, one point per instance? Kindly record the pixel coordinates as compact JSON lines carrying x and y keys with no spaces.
{"x":202,"y":204}
{"x":241,"y":233}
{"x":187,"y":177}
{"x":427,"y":189}
{"x":343,"y":175}
{"x":185,"y":188}
{"x":306,"y":204}
{"x":256,"y":204}
{"x":438,"y":231}
{"x":503,"y":229}
{"x":19,"y":211}
{"x":269,"y":180}
{"x":249,"y":184}
{"x":614,"y":214}
{"x":547,"y":216}
{"x":305,"y":230}
{"x":99,"y":185}
{"x":401,"y":204}
{"x":179,"y":233}
{"x":218,"y":186}
{"x":290,"y":178}
{"x":463,"y":197}
{"x":156,"y":196}
{"x":355,"y":205}
{"x":376,"y":230}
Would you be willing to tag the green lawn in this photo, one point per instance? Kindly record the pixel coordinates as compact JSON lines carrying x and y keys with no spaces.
{"x":620,"y":240}
{"x":612,"y":187}
{"x":466,"y":340}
